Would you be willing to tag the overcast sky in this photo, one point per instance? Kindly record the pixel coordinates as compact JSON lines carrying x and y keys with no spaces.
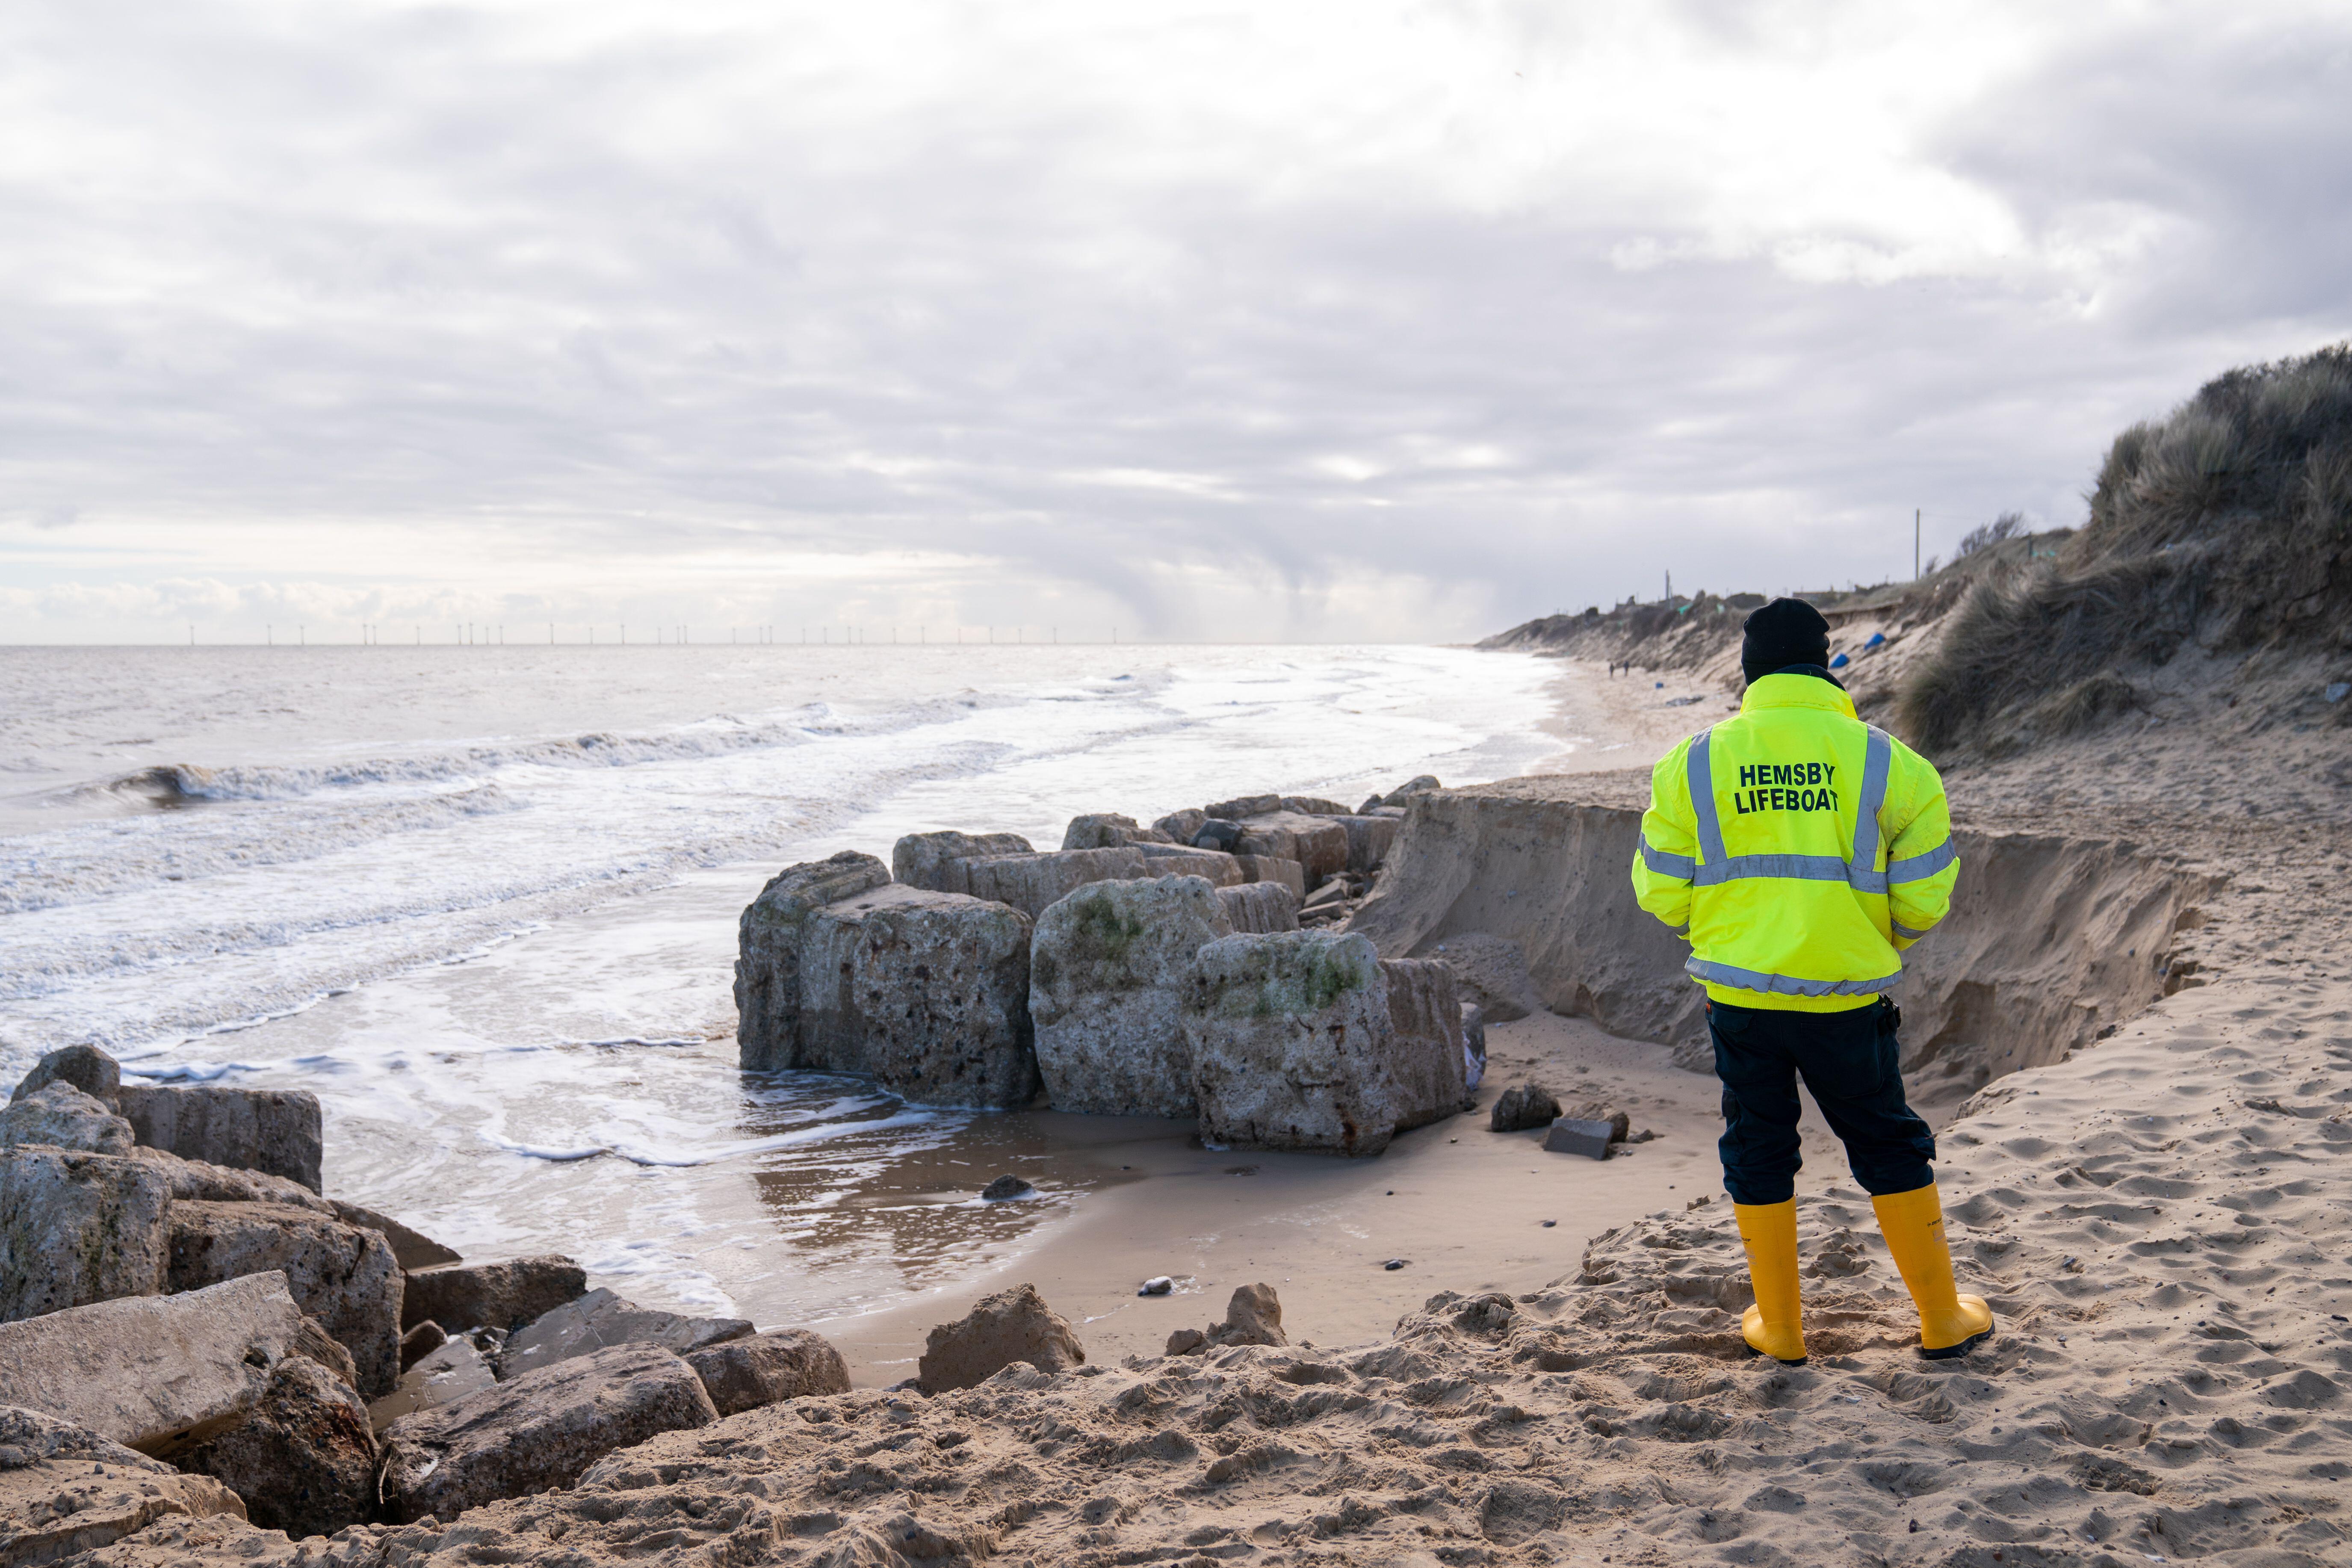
{"x":1280,"y":320}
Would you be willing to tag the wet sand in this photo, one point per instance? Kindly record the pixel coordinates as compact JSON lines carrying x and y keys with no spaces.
{"x":1463,"y":1205}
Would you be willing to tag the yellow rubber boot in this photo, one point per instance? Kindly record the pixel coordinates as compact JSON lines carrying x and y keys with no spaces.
{"x":1950,"y":1324}
{"x":1774,"y":1325}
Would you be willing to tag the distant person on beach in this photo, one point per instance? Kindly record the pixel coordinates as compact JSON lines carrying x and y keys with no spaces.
{"x":1803,"y":850}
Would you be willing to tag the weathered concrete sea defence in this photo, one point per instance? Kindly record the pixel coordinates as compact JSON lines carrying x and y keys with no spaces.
{"x":987,"y":970}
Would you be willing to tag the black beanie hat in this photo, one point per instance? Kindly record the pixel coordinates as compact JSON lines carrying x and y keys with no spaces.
{"x":1784,"y":632}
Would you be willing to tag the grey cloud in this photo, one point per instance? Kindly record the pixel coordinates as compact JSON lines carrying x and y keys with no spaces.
{"x":410,"y":271}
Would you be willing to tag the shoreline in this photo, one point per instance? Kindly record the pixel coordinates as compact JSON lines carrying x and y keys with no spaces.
{"x":1453,"y":1198}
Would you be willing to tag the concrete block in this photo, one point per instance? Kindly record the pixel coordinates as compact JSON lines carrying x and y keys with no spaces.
{"x":1030,"y":882}
{"x":1306,"y":1040}
{"x":770,"y":991}
{"x":77,"y":1228}
{"x":1281,"y":873}
{"x":1260,"y":907}
{"x":273,"y":1130}
{"x":343,"y":1275}
{"x":1106,"y":974}
{"x":936,"y":860}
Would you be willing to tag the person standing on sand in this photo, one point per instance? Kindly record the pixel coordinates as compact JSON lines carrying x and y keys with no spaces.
{"x":1802,"y":851}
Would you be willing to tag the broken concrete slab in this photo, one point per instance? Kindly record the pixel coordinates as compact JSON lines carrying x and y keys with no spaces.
{"x":77,"y":1228}
{"x":67,"y":1490}
{"x":1109,"y":830}
{"x":1106,"y":973}
{"x":1319,"y":843}
{"x":1030,"y":882}
{"x":60,"y":1116}
{"x":339,"y":1274}
{"x":599,"y":1321}
{"x":273,"y":1130}
{"x":1523,"y":1109}
{"x":1268,"y":868}
{"x":500,"y":1296}
{"x":194,"y":1181}
{"x":1258,"y":908}
{"x":153,"y":1373}
{"x":936,"y":860}
{"x":1183,"y":860}
{"x":536,"y":1433}
{"x":304,"y":1457}
{"x":783,"y":1364}
{"x":1308,"y":1040}
{"x":1011,"y":1326}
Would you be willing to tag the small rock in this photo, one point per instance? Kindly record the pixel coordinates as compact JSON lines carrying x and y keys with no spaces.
{"x":1519,"y":1110}
{"x":1621,"y":1126}
{"x":1004,"y":1187}
{"x":1010,"y":1326}
{"x":1184,"y":1341}
{"x":1158,"y":1285}
{"x":765,"y":1369}
{"x":419,"y":1343}
{"x":1570,"y":1135}
{"x":1550,"y":1223}
{"x":1393,"y":1264}
{"x":1404,"y":792}
{"x":1216,"y":833}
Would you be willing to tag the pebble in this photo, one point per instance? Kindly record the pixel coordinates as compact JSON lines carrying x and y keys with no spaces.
{"x":1394,"y":1264}
{"x":1158,"y":1285}
{"x":1005,"y":1187}
{"x":1550,"y":1223}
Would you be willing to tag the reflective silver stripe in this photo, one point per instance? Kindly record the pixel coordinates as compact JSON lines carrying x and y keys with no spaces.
{"x":1785,"y":984}
{"x":1701,"y":780}
{"x":1665,"y":865}
{"x":1877,"y":762}
{"x":1803,"y":868}
{"x":1919,"y":867}
{"x":1904,"y":931}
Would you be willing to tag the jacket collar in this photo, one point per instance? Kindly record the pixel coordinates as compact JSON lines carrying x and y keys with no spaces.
{"x":1787,"y":689}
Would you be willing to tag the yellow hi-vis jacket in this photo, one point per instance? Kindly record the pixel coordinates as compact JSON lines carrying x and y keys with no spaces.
{"x":1803,"y":849}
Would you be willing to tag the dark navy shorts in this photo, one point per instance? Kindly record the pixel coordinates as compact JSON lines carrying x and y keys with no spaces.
{"x":1851,"y":1062}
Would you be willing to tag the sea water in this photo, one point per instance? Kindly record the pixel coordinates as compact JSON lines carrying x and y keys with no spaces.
{"x":482,"y":900}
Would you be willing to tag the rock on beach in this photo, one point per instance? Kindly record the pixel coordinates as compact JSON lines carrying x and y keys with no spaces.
{"x":1310,"y":1040}
{"x":77,"y":1228}
{"x":343,"y":1275}
{"x":1107,"y":975}
{"x":1011,"y":1326}
{"x":538,"y":1432}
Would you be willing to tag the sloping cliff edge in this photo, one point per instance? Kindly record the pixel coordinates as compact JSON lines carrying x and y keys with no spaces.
{"x":2051,"y":943}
